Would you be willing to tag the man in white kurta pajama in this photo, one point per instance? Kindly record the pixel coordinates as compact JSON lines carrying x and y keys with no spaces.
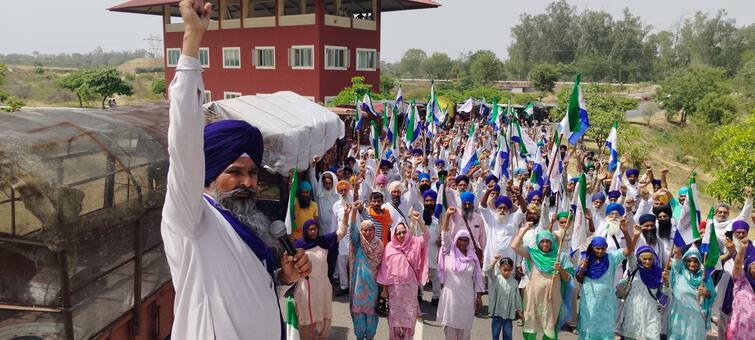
{"x":224,"y":288}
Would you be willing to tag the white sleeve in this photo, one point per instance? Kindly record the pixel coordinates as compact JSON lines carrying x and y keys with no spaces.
{"x":181,"y":211}
{"x":746,"y":211}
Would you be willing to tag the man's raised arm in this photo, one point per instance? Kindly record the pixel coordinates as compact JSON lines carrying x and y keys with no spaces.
{"x":181,"y":211}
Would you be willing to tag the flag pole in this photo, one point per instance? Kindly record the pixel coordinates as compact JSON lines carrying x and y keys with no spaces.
{"x":558,"y":254}
{"x":553,"y":161}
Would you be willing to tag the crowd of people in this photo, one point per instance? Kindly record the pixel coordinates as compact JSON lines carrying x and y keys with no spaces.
{"x":468,"y":233}
{"x":556,"y":240}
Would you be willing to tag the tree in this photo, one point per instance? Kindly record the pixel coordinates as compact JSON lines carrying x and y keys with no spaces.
{"x":357,"y":89}
{"x":74,"y":82}
{"x":717,"y":108}
{"x":12,"y":103}
{"x":486,"y":67}
{"x":735,"y":155}
{"x":387,"y":83}
{"x":411,"y":63}
{"x":648,"y":109}
{"x":158,"y":86}
{"x":543,"y":77}
{"x":712,"y":41}
{"x":94,"y":83}
{"x":682,"y":91}
{"x":437,"y":66}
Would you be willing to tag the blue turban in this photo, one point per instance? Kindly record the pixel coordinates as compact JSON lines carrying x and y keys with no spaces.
{"x":225,"y":141}
{"x":503,"y":200}
{"x":440,"y":162}
{"x":385,"y":163}
{"x":490,"y":177}
{"x":614,"y":194}
{"x":430,"y":193}
{"x":615,"y":207}
{"x":647,"y":218}
{"x":519,"y":171}
{"x":423,"y":176}
{"x":417,"y":152}
{"x":305,"y":186}
{"x":467,"y":197}
{"x":598,"y":196}
{"x":497,"y":188}
{"x":463,"y":178}
{"x":683,"y":191}
{"x":740,"y":225}
{"x":632,"y":171}
{"x":656,"y":182}
{"x":574,"y":179}
{"x":531,"y":195}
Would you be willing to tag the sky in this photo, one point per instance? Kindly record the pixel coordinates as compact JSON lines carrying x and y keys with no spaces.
{"x":56,"y":26}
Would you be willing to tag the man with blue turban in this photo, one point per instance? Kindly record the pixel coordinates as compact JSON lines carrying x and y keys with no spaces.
{"x":218,"y":246}
{"x":470,"y":220}
{"x":429,"y":215}
{"x":631,"y":182}
{"x":502,"y":219}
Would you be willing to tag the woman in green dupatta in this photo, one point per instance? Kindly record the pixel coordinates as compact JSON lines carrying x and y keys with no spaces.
{"x":544,"y":295}
{"x":689,"y":318}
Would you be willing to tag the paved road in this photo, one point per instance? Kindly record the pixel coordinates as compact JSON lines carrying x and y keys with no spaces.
{"x":342,"y":327}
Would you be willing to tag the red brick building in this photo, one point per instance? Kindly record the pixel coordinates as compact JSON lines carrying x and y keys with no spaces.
{"x":311,"y":47}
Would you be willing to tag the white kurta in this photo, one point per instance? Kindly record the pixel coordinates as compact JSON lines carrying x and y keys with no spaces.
{"x":500,"y":235}
{"x":223,"y":291}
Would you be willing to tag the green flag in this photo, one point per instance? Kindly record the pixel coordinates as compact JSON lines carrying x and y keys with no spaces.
{"x":290,"y":219}
{"x":573,"y":109}
{"x":711,"y":242}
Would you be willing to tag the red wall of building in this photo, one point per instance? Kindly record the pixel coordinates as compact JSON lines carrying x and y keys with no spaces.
{"x":248,"y":80}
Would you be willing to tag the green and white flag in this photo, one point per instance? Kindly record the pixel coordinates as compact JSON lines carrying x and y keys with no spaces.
{"x":375,"y":139}
{"x":290,"y":219}
{"x":579,"y":234}
{"x":529,"y":109}
{"x":292,"y":321}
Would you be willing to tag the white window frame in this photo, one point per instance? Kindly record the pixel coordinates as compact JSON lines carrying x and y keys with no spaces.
{"x":291,"y":57}
{"x":377,"y":62}
{"x":254,"y":57}
{"x":234,"y":94}
{"x":238,"y":50}
{"x":201,"y":49}
{"x":207,"y":96}
{"x":328,"y":99}
{"x":167,"y":56}
{"x":337,"y":48}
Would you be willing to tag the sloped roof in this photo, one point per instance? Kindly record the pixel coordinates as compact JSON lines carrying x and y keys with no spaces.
{"x":154,"y":6}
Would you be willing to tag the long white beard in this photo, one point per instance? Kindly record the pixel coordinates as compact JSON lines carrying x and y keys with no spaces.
{"x":501,"y":219}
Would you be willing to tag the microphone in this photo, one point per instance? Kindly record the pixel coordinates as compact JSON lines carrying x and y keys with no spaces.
{"x":278,"y":229}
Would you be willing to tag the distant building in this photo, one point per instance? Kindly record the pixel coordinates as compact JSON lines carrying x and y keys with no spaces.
{"x":311,"y":47}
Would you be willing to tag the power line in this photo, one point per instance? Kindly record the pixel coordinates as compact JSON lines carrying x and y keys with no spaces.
{"x":155,"y":46}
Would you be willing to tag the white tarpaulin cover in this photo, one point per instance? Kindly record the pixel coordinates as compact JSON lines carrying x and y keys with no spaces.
{"x":294,"y":128}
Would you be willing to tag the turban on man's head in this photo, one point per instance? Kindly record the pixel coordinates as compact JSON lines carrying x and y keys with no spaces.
{"x":467,"y":197}
{"x":683,"y":191}
{"x":350,"y":159}
{"x":574,"y":179}
{"x":666,"y":208}
{"x":496,"y":188}
{"x":632,"y":171}
{"x":385,"y":163}
{"x":740,"y":225}
{"x":656,"y":182}
{"x":598,"y":196}
{"x":381,"y":179}
{"x":430,"y":193}
{"x":615,"y":207}
{"x":440,"y":162}
{"x":519,"y":171}
{"x":423,"y":176}
{"x":490,"y":177}
{"x":417,"y":152}
{"x":647,"y":218}
{"x":531,"y":195}
{"x":343,"y":184}
{"x":227,"y":140}
{"x":503,"y":200}
{"x":562,"y":214}
{"x":396,"y":185}
{"x":305,"y":186}
{"x":615,"y":194}
{"x":462,"y":178}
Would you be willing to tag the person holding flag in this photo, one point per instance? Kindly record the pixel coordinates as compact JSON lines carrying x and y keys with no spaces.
{"x":743,"y":292}
{"x":689,"y":319}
